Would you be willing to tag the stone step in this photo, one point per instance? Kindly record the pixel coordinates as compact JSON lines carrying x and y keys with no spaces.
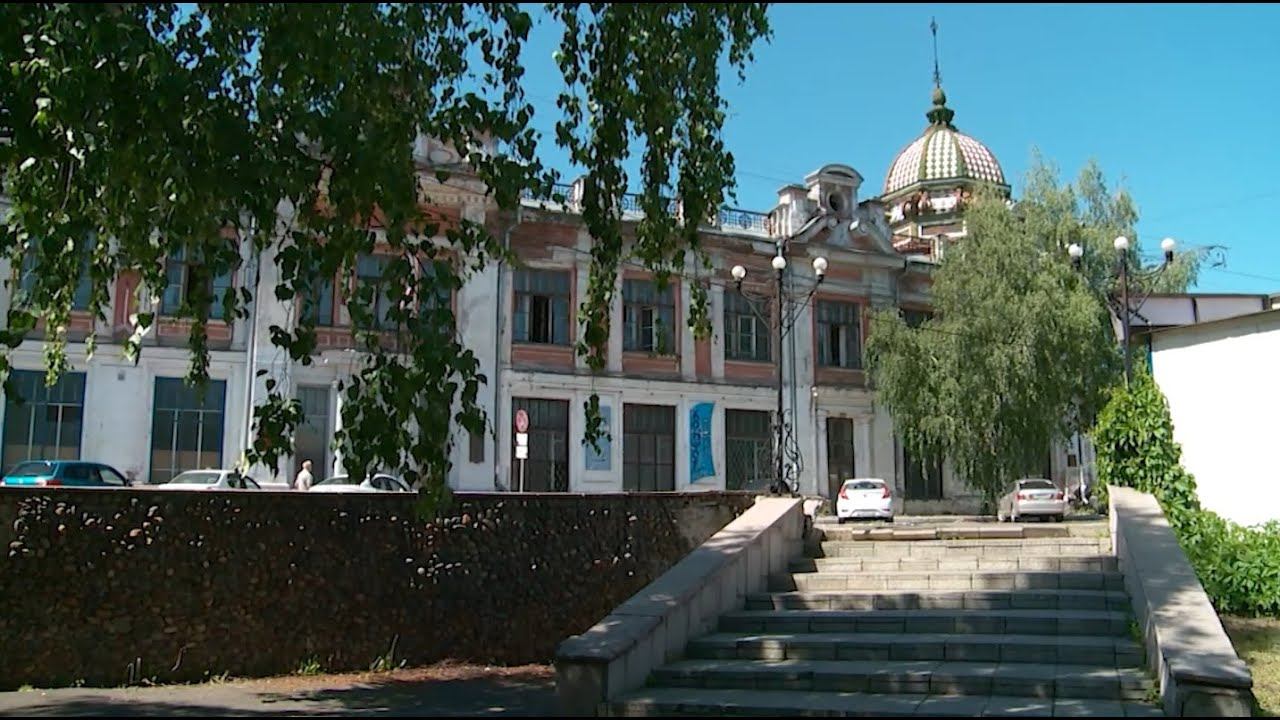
{"x":1050,"y":649}
{"x":976,"y":580}
{"x":1083,"y":563}
{"x":963,"y":532}
{"x":911,"y":676}
{"x":1013,"y":622}
{"x":660,"y":702}
{"x":1047,"y":547}
{"x":943,"y":600}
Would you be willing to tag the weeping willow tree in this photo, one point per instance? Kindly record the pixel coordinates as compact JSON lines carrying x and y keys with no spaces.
{"x":1020,"y":351}
{"x":132,"y":132}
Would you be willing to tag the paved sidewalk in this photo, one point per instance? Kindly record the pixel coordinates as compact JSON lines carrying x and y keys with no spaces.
{"x":436,"y":690}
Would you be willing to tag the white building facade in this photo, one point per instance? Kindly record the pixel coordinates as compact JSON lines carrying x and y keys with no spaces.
{"x":682,"y":413}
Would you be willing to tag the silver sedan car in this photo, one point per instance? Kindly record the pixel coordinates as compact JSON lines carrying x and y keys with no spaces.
{"x":1032,"y":497}
{"x":345,"y":484}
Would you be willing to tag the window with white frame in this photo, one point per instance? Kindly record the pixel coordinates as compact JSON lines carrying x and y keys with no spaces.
{"x":371,"y":271}
{"x":313,"y":435}
{"x":43,"y":422}
{"x":748,"y":445}
{"x":648,"y":317}
{"x":648,"y":447}
{"x":186,"y":427}
{"x":542,"y":307}
{"x":746,"y":332}
{"x":547,"y":467}
{"x":839,"y":334}
{"x":84,"y":287}
{"x":318,"y":302}
{"x":191,"y":285}
{"x":921,"y":475}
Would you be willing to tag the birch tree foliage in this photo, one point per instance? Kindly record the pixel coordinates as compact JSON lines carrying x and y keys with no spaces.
{"x":1020,"y":349}
{"x":233,"y":134}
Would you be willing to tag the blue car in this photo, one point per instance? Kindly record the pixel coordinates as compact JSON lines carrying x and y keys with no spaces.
{"x":63,"y":473}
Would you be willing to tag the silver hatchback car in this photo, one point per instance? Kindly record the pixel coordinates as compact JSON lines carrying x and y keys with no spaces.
{"x":1032,"y":497}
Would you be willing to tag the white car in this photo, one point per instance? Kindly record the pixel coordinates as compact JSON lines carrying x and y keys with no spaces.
{"x":1032,"y":497}
{"x":210,"y":480}
{"x":346,"y":484}
{"x":864,"y":498}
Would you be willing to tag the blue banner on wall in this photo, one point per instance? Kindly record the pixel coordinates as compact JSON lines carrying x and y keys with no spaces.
{"x":701,"y":463}
{"x":603,"y":458}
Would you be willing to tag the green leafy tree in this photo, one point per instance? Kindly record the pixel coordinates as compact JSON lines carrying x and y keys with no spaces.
{"x":130,"y":132}
{"x":1133,"y":439}
{"x":1020,"y":349}
{"x":1238,"y":566}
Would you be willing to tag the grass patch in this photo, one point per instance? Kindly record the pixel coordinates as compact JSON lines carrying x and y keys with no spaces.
{"x":1257,"y":642}
{"x":309,"y":667}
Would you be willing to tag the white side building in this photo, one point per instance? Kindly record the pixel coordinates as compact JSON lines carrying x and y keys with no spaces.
{"x":1224,"y":397}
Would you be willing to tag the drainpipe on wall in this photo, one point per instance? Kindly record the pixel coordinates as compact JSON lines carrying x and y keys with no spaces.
{"x":252,"y":359}
{"x":499,"y":328}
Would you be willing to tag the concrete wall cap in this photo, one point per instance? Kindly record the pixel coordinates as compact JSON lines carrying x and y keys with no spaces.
{"x":643,"y":612}
{"x":1187,"y":631}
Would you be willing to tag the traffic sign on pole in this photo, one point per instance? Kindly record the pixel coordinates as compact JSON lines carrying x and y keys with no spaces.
{"x":522,"y":421}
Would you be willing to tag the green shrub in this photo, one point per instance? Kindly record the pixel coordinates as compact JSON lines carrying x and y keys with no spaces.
{"x":1238,"y":566}
{"x":310,"y":666}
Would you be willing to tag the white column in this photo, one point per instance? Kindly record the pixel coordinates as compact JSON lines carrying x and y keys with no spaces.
{"x":615,"y":327}
{"x":863,"y":453}
{"x":715,"y":302}
{"x":6,"y":271}
{"x":582,"y":272}
{"x":337,"y":425}
{"x":884,"y":461}
{"x":719,"y":446}
{"x":688,"y":350}
{"x":684,"y":441}
{"x":821,"y":463}
{"x":805,"y":420}
{"x":479,"y":326}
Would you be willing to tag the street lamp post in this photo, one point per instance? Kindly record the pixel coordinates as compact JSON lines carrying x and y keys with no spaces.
{"x":788,"y":310}
{"x":1125,"y":310}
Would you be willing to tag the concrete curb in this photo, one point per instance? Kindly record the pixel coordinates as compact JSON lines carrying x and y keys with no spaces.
{"x":1187,"y":648}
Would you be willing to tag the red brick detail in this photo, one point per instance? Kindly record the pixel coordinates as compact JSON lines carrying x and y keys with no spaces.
{"x":840,"y":376}
{"x":126,"y":304}
{"x":540,"y":356}
{"x":747,"y":371}
{"x":702,"y":359}
{"x":535,"y":241}
{"x":844,"y":272}
{"x":177,"y":331}
{"x":642,"y":364}
{"x":334,"y":338}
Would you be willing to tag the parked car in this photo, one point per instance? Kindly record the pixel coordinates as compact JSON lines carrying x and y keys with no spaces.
{"x":210,"y":480}
{"x":346,"y":484}
{"x":864,"y":498}
{"x":1032,"y":497}
{"x":64,"y":473}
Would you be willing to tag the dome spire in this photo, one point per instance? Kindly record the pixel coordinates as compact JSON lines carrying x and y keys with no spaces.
{"x":939,"y":114}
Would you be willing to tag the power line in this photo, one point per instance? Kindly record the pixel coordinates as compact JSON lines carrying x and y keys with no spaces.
{"x":1216,"y":206}
{"x":1243,"y":274}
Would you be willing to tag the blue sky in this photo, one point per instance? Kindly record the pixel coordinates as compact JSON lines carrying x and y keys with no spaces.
{"x":1178,"y":103}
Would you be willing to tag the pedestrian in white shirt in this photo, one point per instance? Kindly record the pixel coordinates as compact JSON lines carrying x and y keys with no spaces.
{"x":303,"y":481}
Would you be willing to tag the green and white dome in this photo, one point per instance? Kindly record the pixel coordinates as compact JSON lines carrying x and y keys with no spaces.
{"x":942,"y":155}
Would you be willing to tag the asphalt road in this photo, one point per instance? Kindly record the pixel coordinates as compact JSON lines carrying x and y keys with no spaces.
{"x":452,"y":691}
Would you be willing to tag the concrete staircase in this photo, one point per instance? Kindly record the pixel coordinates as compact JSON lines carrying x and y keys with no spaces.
{"x":960,"y":620}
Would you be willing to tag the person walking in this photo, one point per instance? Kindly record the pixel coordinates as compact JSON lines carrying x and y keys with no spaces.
{"x":303,"y":481}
